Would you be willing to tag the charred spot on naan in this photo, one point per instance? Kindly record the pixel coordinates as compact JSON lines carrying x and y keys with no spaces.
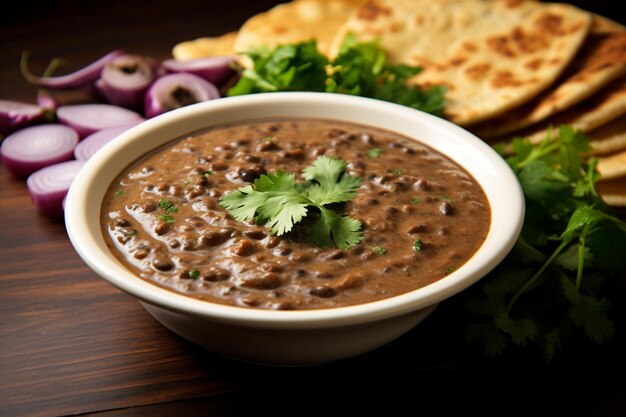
{"x":372,"y":11}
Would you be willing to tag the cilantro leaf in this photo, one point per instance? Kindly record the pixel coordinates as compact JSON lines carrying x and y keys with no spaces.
{"x":343,"y":231}
{"x":521,"y":331}
{"x":589,"y":313}
{"x":280,"y":202}
{"x":282,"y":211}
{"x":243,"y":203}
{"x":332,"y":185}
{"x":360,"y":69}
{"x":550,"y":286}
{"x":297,"y":67}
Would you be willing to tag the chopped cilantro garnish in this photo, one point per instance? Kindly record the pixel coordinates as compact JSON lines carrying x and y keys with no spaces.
{"x":194,"y":273}
{"x":444,"y":198}
{"x":168,"y":207}
{"x":417,"y":245}
{"x":279,"y":202}
{"x":205,"y":173}
{"x":165,"y":203}
{"x":415,"y":200}
{"x":374,"y":153}
{"x":450,"y":270}
{"x":120,"y":193}
{"x":396,"y":171}
{"x":268,"y":139}
{"x":297,"y":67}
{"x":166,"y":218}
{"x":379,"y":250}
{"x":549,"y":288}
{"x":360,"y":68}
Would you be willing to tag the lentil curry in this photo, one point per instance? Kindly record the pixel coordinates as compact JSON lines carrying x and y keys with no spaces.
{"x":422,"y":216}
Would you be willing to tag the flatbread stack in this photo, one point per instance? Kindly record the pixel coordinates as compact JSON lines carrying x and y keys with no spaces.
{"x":511,"y":67}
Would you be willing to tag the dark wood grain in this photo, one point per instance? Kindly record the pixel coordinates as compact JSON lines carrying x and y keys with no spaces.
{"x":70,"y":344}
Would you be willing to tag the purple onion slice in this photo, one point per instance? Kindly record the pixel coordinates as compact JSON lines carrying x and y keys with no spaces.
{"x":215,"y":69}
{"x":125,"y":79}
{"x":81,"y":77}
{"x":15,"y":115}
{"x":89,"y":118}
{"x":52,"y":99}
{"x":48,"y":186}
{"x":35,"y":147}
{"x":92,"y":143}
{"x":177,"y":90}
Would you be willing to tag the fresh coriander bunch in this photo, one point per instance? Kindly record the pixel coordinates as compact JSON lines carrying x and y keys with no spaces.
{"x":551,"y":286}
{"x":279,"y":202}
{"x":360,"y":69}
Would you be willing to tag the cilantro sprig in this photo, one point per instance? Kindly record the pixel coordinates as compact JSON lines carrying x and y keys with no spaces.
{"x":279,"y":202}
{"x":548,"y":289}
{"x":360,"y":68}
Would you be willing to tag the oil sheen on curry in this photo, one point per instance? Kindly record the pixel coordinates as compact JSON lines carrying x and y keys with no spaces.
{"x":421,"y":216}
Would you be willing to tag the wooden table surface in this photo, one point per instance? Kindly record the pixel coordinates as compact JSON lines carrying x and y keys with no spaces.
{"x":71,"y":344}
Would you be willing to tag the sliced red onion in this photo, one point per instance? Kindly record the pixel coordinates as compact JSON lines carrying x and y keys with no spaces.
{"x":92,"y":143}
{"x":81,"y":77}
{"x":15,"y":115}
{"x":35,"y":147}
{"x":215,"y":69}
{"x":89,"y":118}
{"x":177,"y":90}
{"x":48,"y":186}
{"x":52,"y":99}
{"x":125,"y":79}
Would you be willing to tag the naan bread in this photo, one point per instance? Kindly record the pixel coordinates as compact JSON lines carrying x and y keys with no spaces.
{"x":492,"y":55}
{"x":205,"y":47}
{"x":604,"y":106}
{"x":613,"y":166}
{"x":601,"y":60}
{"x":297,"y":21}
{"x":609,"y":138}
{"x":613,"y":192}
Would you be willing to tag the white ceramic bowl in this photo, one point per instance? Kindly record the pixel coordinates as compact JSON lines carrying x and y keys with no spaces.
{"x":293,"y":337}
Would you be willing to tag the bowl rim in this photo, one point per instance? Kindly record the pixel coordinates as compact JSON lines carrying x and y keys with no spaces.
{"x":89,"y":246}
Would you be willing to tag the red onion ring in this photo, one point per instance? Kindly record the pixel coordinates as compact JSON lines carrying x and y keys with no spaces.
{"x":177,"y":90}
{"x":76,"y":79}
{"x":92,"y":143}
{"x":125,"y":79}
{"x":35,"y":147}
{"x":52,"y":99}
{"x":15,"y":115}
{"x":89,"y":118}
{"x":48,"y":186}
{"x":215,"y":69}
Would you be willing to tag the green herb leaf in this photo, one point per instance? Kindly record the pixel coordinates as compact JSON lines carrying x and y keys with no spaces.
{"x":550,"y":285}
{"x":297,"y":67}
{"x":417,"y":245}
{"x":521,"y":331}
{"x":280,"y":202}
{"x":360,"y":68}
{"x":331,"y":184}
{"x":374,"y":153}
{"x":379,"y":250}
{"x":343,"y":231}
{"x":166,"y":218}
